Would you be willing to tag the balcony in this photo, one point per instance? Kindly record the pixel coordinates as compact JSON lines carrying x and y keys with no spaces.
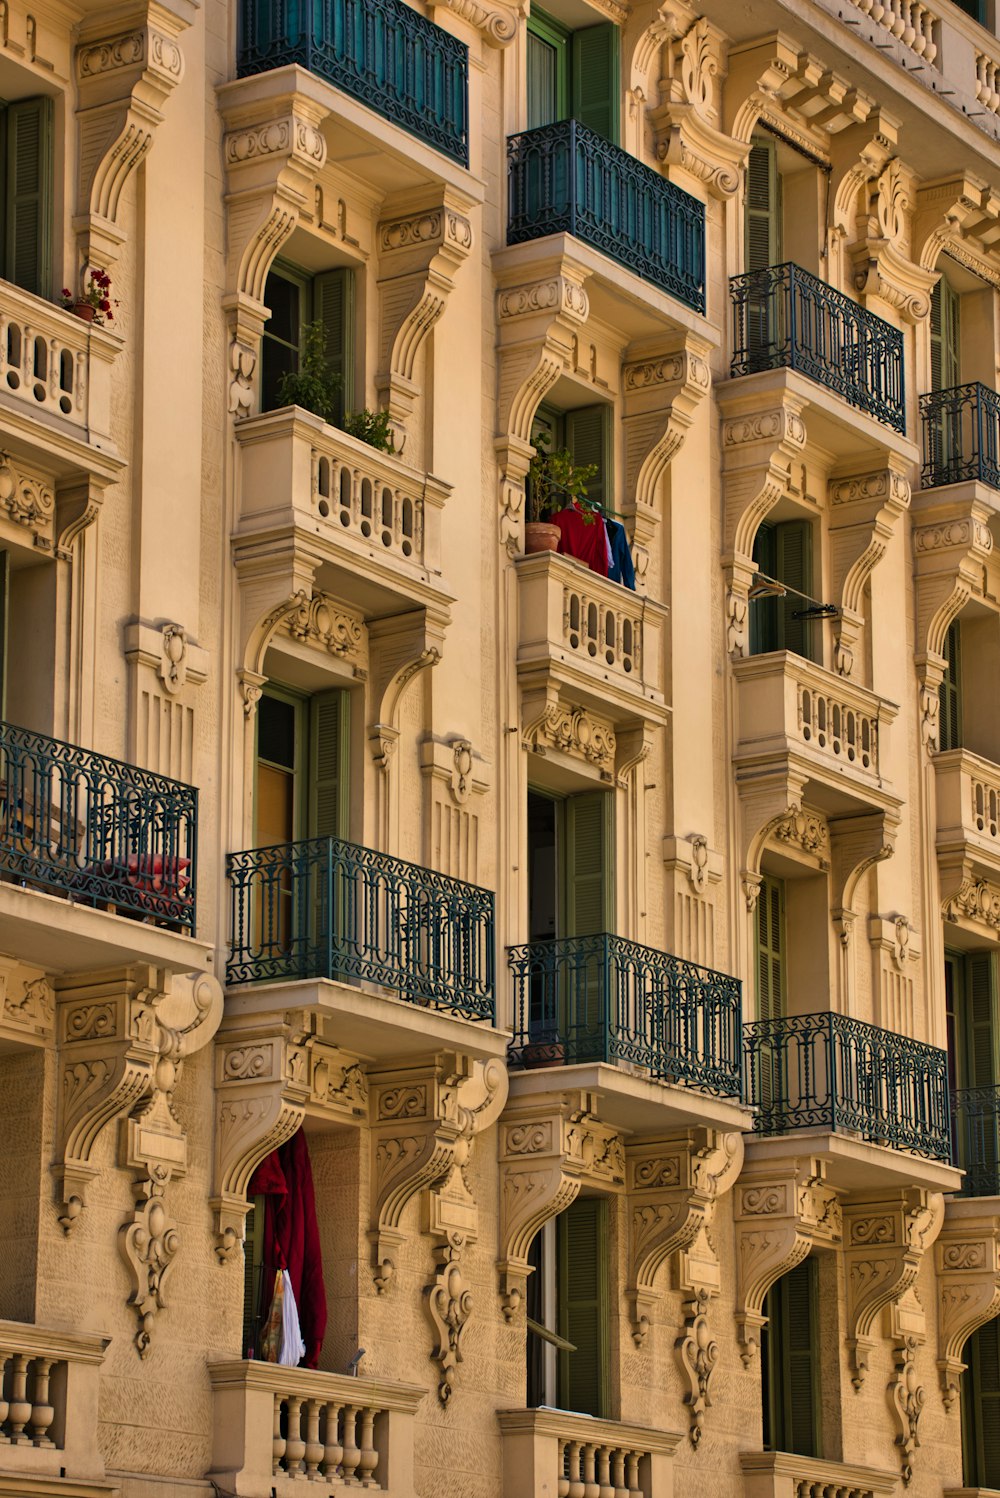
{"x":555,"y":1452}
{"x":598,"y":639}
{"x":786,"y":318}
{"x":382,"y":53}
{"x":375,"y":521}
{"x":968,"y":813}
{"x":976,"y":1127}
{"x":566,"y":179}
{"x":116,"y":845}
{"x":275,"y":1429}
{"x":960,"y":431}
{"x":48,"y":1407}
{"x":795,"y":718}
{"x":779,"y":1474}
{"x":648,"y":1029}
{"x":402,"y":955}
{"x":831,"y":1072}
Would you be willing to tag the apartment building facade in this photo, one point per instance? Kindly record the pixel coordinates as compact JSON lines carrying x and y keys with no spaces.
{"x":592,"y":975}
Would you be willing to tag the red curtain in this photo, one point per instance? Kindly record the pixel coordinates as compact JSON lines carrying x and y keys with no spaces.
{"x":291,"y":1236}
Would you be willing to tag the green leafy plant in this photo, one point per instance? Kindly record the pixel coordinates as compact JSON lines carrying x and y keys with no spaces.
{"x":371,"y":427}
{"x":313,"y":386}
{"x":555,"y":482}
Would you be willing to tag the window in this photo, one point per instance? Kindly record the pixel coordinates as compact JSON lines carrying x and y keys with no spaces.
{"x":981,"y":1408}
{"x":784,"y":554}
{"x":27,"y":168}
{"x":789,"y":1363}
{"x":771,"y":981}
{"x":4,"y":627}
{"x":302,"y":782}
{"x":763,"y":205}
{"x":296,"y":299}
{"x":573,"y":75}
{"x":946,"y":327}
{"x":568,"y":1311}
{"x":950,"y":691}
{"x":974,"y":8}
{"x":588,"y":435}
{"x":971,"y":1017}
{"x":569,"y":864}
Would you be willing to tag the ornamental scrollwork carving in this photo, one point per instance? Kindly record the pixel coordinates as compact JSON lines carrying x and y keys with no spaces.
{"x":29,"y":501}
{"x":907,"y":1398}
{"x":698,"y":1353}
{"x":497,"y":24}
{"x":885,"y":1241}
{"x":968,"y":1273}
{"x":572,"y":730}
{"x":148,"y":1244}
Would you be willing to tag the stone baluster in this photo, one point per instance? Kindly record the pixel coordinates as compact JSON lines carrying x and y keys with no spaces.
{"x":20,"y":1405}
{"x":605,"y":1487}
{"x":562,"y":1486}
{"x":573,"y":1472}
{"x":632,"y":1473}
{"x":42,"y":1412}
{"x":333,"y":1450}
{"x":314,"y":1446}
{"x":277,"y":1439}
{"x":4,"y":1404}
{"x":591,"y":1488}
{"x":618,"y":1472}
{"x":368,"y":1460}
{"x":352,"y":1454}
{"x":295,"y":1446}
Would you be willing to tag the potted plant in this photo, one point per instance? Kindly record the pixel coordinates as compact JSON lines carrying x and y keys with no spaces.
{"x":95,"y":304}
{"x":313,"y":386}
{"x":554,"y":483}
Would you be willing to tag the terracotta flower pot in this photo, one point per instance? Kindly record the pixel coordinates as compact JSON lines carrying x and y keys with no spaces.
{"x":540,"y":536}
{"x":85,"y":310}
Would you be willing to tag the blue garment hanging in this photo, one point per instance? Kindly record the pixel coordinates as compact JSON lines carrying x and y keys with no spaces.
{"x":620,"y":569}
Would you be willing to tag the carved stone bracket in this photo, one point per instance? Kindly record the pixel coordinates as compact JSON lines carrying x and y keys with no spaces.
{"x":968,"y":1268}
{"x":794,"y":92}
{"x":960,"y":215}
{"x":400,"y":646}
{"x":864,"y":509}
{"x":548,"y":724}
{"x":497,"y":23}
{"x":857,"y":845}
{"x":28,"y":500}
{"x":663,"y":384}
{"x":549,"y":1148}
{"x":784,"y":1208}
{"x":973,"y":903}
{"x":421,"y":243}
{"x":907,"y":1398}
{"x":758,"y":447}
{"x":123,"y":81}
{"x":885,"y":1239}
{"x":773,"y":815}
{"x":882,"y":267}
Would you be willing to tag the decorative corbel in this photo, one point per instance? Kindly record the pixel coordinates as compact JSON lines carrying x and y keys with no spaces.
{"x":885,"y":1240}
{"x":420,"y":248}
{"x":882,"y":267}
{"x":549,"y":1148}
{"x":686,"y":121}
{"x":784,"y":1208}
{"x":78,"y":504}
{"x":550,"y":724}
{"x":123,"y":82}
{"x":497,"y":23}
{"x":961,"y":216}
{"x":864,"y":509}
{"x":951,"y":544}
{"x":854,"y":167}
{"x":968,"y":1270}
{"x":774,"y":814}
{"x":858,"y":844}
{"x":663,"y":385}
{"x":793,"y":92}
{"x":758,"y":447}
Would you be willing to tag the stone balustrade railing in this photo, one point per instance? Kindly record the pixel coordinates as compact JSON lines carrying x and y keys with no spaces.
{"x":48,"y":1401}
{"x":968,"y":802}
{"x":54,"y":362}
{"x":551,"y":1451}
{"x":837,"y":726}
{"x":908,"y":21}
{"x":777,"y":1474}
{"x":277,"y":1429}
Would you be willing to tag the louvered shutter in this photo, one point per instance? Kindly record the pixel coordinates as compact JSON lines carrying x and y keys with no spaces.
{"x":588,"y":438}
{"x":981,"y":1407}
{"x":798,"y":1352}
{"x":950,"y":691}
{"x":253,"y":1268}
{"x":29,"y":185}
{"x":333,"y":306}
{"x":4,"y":627}
{"x":793,"y":563}
{"x":981,"y":1067}
{"x":328,"y":735}
{"x":762,"y":246}
{"x":587,"y":864}
{"x":583,"y":1306}
{"x":771,"y":949}
{"x":764,"y":610}
{"x":596,"y":79}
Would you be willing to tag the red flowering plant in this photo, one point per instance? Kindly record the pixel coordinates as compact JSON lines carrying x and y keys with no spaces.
{"x":96,"y":294}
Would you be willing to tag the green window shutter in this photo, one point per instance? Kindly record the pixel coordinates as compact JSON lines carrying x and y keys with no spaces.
{"x":763,"y":238}
{"x":771,"y":949}
{"x":29,"y":186}
{"x":333,"y":306}
{"x":793,"y":563}
{"x":980,"y":1026}
{"x":596,"y":79}
{"x":582,"y":1290}
{"x":950,"y":690}
{"x":945,"y":336}
{"x":589,"y":439}
{"x":797,"y":1291}
{"x":253,"y":1268}
{"x":981,"y":1407}
{"x":764,"y":611}
{"x":328,"y":782}
{"x":587,"y":864}
{"x":4,"y":627}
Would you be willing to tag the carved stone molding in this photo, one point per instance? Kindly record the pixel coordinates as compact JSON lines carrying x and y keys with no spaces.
{"x":784,"y":1208}
{"x":864,"y":509}
{"x":27,"y":1004}
{"x":880,"y":259}
{"x":148,"y":1244}
{"x":975,"y":901}
{"x":968,"y":1270}
{"x":550,"y":1147}
{"x":759,"y":443}
{"x":497,"y":23}
{"x":907,"y":1398}
{"x":885,"y":1239}
{"x":270,"y":1073}
{"x":421,"y":245}
{"x":960,"y":215}
{"x":29,"y":501}
{"x":663,"y":385}
{"x":792,"y":91}
{"x":123,"y":81}
{"x":400,"y":646}
{"x":548,"y":723}
{"x":857,"y":845}
{"x":773,"y":814}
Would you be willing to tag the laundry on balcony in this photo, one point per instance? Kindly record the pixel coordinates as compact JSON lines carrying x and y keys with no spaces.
{"x":290,"y":1242}
{"x":600,"y":543}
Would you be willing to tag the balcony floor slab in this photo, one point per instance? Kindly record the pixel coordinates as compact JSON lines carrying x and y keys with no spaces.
{"x":853,"y":1164}
{"x":840,"y":429}
{"x":371,"y":1023}
{"x":631,"y":1101}
{"x":60,"y":937}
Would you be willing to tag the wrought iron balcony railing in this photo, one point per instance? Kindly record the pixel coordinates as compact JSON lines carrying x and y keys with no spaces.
{"x":786,"y":318}
{"x":602,"y":998}
{"x":976,"y":1132}
{"x":96,"y":829}
{"x":567,"y":179}
{"x":961,"y":436}
{"x":828,"y":1071}
{"x":330,"y":909}
{"x":382,"y":52}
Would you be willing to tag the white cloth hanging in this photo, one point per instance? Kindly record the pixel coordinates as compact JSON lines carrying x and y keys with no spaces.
{"x":293,"y":1349}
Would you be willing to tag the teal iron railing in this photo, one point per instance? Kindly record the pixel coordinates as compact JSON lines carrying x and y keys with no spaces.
{"x":96,"y":829}
{"x":828,"y":1071}
{"x":784,"y":317}
{"x":567,"y":179}
{"x":326,"y":908}
{"x":961,"y":436}
{"x":603,"y":998}
{"x":976,"y":1131}
{"x":382,"y":52}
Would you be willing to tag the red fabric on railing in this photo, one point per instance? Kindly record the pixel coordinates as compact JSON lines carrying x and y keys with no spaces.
{"x":291,"y":1235}
{"x":587,"y":540}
